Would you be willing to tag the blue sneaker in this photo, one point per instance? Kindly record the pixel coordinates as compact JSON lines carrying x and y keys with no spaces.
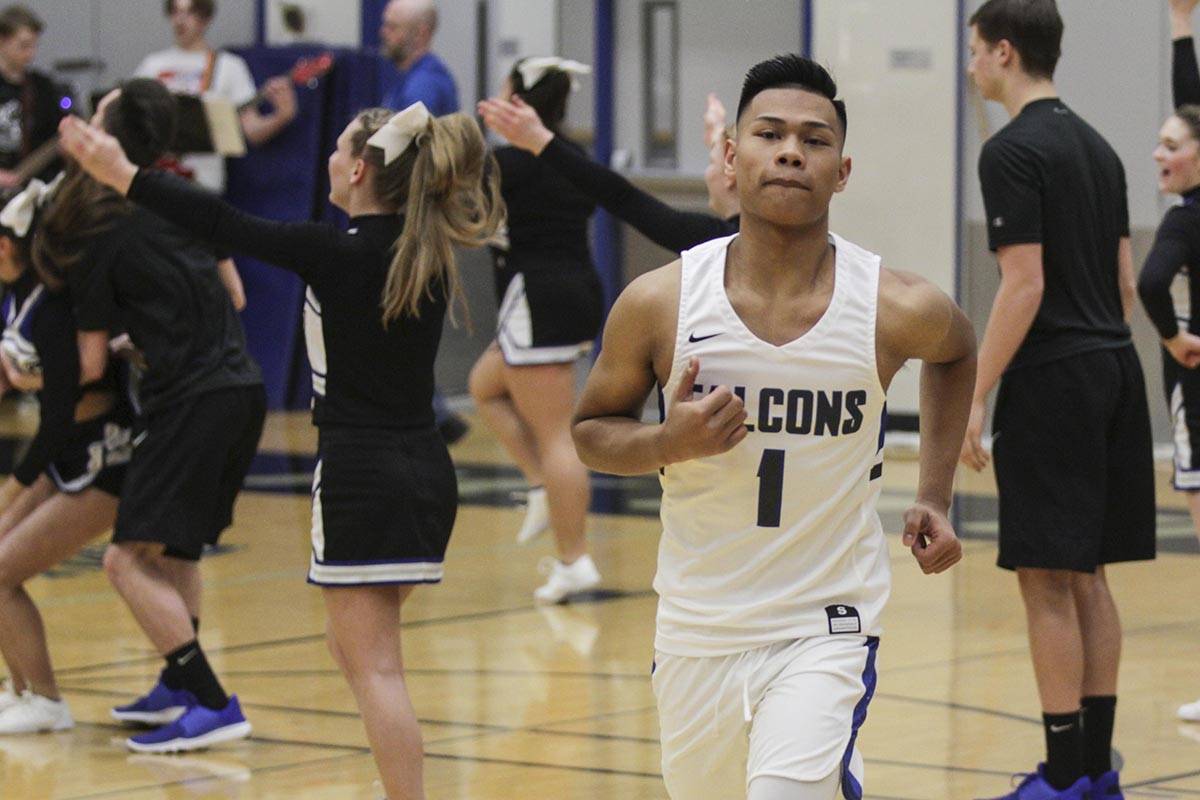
{"x":1035,"y":787}
{"x":1107,"y":787}
{"x":161,"y":706}
{"x":199,"y":727}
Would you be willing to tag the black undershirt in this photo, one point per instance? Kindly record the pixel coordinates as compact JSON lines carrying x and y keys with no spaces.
{"x":1049,"y":178}
{"x":1185,"y":73}
{"x":376,"y":376}
{"x":665,"y":226}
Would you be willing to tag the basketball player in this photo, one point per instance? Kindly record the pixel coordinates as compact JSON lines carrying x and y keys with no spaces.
{"x":1175,"y":250}
{"x":202,"y":402}
{"x":63,"y":492}
{"x":1074,"y":467}
{"x":774,"y":350}
{"x":384,"y":492}
{"x":30,"y":103}
{"x":551,"y":307}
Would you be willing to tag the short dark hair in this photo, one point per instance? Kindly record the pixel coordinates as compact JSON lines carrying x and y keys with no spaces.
{"x":143,"y":119}
{"x":14,"y":18}
{"x":548,"y":96}
{"x":791,"y":71}
{"x":1033,"y":27}
{"x":204,"y":9}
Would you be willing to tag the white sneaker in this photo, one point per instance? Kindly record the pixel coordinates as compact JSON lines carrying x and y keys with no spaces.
{"x":1190,"y":712}
{"x":36,"y":714}
{"x":566,"y":579}
{"x":537,"y":516}
{"x":8,"y":695}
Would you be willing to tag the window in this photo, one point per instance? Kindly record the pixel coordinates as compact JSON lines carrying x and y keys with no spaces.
{"x":660,"y":27}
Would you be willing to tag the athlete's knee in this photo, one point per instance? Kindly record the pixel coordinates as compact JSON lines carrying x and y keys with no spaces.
{"x":1045,"y":586}
{"x":772,"y":787}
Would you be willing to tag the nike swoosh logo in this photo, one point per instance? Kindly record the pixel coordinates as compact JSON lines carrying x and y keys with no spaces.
{"x":1060,"y":728}
{"x":186,"y":658}
{"x":694,"y":338}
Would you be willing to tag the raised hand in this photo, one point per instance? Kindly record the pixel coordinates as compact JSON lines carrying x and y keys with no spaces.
{"x":714,"y":122}
{"x":696,"y":428}
{"x":1184,"y":348}
{"x":97,"y":152}
{"x":931,"y":538}
{"x":517,"y":122}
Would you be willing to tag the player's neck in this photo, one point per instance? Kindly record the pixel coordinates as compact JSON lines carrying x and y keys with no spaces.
{"x":782,"y":260}
{"x":1024,"y":90}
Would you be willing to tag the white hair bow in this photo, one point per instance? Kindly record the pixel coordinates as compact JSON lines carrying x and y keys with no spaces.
{"x":534,"y":69}
{"x":399,"y":132}
{"x":17,"y":216}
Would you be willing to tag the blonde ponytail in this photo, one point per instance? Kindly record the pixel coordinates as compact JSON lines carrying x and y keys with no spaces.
{"x":449,"y":185}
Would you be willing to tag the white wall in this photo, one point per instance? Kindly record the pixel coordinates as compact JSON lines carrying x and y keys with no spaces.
{"x":896,"y":68}
{"x":332,"y":22}
{"x":718,"y":41}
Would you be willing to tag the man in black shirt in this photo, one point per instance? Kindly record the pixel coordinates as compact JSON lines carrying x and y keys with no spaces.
{"x":1074,"y":465}
{"x":30,"y":103}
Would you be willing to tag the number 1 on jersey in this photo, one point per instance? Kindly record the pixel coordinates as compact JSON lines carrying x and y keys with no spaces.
{"x":770,"y":488}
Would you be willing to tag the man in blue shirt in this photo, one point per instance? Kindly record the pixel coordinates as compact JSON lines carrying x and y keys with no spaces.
{"x":407,"y":37}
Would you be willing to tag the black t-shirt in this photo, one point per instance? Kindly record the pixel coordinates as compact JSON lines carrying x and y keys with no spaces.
{"x":161,"y":285}
{"x":1049,"y":178}
{"x":376,"y":375}
{"x":29,"y":116}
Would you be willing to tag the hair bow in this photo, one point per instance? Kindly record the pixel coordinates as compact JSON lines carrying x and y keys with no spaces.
{"x":18,"y":215}
{"x":399,"y":132}
{"x":534,"y":69}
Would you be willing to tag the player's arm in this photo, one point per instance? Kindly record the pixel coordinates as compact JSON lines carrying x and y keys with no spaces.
{"x":1125,"y":277}
{"x":93,"y":355}
{"x":637,"y":351}
{"x":917,"y":320}
{"x":1022,"y":283}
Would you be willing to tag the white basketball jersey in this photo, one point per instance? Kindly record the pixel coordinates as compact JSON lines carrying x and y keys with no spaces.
{"x":778,"y":538}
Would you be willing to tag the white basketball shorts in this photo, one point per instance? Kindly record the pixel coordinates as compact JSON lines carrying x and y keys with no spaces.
{"x":790,"y":710}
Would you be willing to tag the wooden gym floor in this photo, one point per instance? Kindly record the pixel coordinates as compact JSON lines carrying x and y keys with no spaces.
{"x":523,"y":702}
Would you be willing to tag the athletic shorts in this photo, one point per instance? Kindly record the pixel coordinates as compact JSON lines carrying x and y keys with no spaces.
{"x":384,"y":503}
{"x":1074,"y":463}
{"x":189,"y":462}
{"x":1183,"y":399}
{"x":97,"y":455}
{"x":790,"y":710}
{"x":549,"y":317}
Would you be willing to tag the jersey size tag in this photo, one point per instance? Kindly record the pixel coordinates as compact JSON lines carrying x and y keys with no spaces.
{"x":843,"y":619}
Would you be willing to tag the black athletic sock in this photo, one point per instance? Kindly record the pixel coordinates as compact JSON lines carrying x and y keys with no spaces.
{"x":192,"y":671}
{"x":1099,"y":712}
{"x":1064,"y":748}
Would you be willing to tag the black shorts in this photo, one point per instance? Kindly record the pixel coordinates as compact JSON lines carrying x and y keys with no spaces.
{"x":1182,"y":386}
{"x":1075,"y":464}
{"x":549,"y":316}
{"x":97,"y":455}
{"x":384,"y":503}
{"x":189,"y":462}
